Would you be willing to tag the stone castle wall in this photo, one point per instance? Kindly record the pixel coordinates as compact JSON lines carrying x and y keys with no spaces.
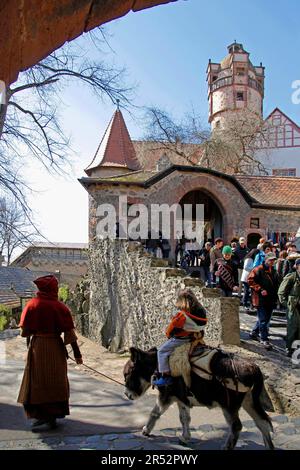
{"x":132,"y":298}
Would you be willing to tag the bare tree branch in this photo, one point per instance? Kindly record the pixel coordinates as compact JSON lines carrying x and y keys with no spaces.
{"x":232,"y":149}
{"x":30,"y":124}
{"x":15,"y":230}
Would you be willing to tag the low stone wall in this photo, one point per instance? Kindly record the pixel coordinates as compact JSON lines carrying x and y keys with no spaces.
{"x":132,"y":299}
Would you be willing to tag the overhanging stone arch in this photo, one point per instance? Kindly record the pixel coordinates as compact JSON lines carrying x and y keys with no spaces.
{"x":30,"y":30}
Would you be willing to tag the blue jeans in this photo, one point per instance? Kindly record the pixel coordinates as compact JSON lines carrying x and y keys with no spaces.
{"x":207,"y":275}
{"x":264,"y":314}
{"x":165,"y":351}
{"x":246,"y":295}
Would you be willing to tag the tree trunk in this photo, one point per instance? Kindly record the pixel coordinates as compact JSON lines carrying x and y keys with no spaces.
{"x":3,"y":110}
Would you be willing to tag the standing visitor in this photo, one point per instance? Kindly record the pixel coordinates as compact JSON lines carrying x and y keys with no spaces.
{"x":240,"y":253}
{"x":263,"y":281}
{"x":215,"y":253}
{"x":205,"y":263}
{"x":265,"y":248}
{"x":226,"y":273}
{"x":289,"y":296}
{"x":248,"y":266}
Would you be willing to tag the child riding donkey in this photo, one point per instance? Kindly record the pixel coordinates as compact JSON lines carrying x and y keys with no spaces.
{"x":185,"y":326}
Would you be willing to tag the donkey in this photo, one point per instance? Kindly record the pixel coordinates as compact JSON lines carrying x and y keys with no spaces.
{"x":210,"y":393}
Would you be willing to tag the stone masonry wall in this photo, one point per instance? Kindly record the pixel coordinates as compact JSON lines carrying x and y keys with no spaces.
{"x":132,"y":298}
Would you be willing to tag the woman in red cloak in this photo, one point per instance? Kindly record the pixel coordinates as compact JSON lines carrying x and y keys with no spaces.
{"x":44,"y":391}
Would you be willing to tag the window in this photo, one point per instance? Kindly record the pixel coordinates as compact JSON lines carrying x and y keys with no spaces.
{"x":284,"y":172}
{"x":214,"y":78}
{"x":254,"y":222}
{"x":240,"y":96}
{"x":240,"y":71}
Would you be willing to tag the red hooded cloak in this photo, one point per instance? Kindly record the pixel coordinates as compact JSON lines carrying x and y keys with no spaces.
{"x":45,"y":313}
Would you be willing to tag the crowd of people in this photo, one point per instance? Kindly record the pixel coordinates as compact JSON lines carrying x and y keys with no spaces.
{"x":264,"y":278}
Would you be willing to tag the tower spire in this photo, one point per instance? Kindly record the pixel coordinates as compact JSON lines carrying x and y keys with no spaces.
{"x":115,"y":151}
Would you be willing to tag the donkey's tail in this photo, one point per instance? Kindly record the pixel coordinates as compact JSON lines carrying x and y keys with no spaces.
{"x":256,"y":393}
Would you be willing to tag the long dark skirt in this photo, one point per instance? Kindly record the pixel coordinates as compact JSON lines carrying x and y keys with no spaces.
{"x":44,"y":391}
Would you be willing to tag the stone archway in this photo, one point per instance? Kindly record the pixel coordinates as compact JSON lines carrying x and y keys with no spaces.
{"x":253,"y":239}
{"x":213,"y":219}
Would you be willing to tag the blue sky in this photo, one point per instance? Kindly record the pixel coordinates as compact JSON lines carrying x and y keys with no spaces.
{"x":166,"y":50}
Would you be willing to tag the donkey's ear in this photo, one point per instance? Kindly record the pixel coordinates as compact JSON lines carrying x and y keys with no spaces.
{"x":135,"y":354}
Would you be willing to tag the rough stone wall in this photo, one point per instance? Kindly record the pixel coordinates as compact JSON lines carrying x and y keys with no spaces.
{"x":132,"y":298}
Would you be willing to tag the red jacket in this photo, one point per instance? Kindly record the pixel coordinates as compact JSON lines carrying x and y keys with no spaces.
{"x":183,"y":324}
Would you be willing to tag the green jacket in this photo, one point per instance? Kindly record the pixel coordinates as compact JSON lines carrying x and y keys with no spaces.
{"x":289,"y":291}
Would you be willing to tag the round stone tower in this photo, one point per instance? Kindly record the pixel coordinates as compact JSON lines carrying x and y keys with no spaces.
{"x":233,"y":85}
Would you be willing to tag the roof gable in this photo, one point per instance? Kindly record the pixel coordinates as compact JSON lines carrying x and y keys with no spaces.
{"x":285,"y":119}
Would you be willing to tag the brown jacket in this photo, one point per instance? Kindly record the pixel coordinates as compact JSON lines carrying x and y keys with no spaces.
{"x":262,"y":278}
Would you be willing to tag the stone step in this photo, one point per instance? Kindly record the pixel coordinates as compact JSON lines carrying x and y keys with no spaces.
{"x":159,"y":263}
{"x":211,"y":292}
{"x":174,"y":272}
{"x":193,"y":282}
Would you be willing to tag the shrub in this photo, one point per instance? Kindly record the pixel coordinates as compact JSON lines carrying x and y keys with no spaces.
{"x":63,"y":293}
{"x":4,"y":316}
{"x":3,"y":322}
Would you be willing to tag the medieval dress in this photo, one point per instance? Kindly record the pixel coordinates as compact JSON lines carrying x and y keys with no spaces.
{"x":44,"y":391}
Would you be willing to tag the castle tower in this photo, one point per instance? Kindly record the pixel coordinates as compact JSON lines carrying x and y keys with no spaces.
{"x":233,"y":85}
{"x":115,"y":154}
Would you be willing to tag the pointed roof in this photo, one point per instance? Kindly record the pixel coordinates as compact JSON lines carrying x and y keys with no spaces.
{"x":116,"y":148}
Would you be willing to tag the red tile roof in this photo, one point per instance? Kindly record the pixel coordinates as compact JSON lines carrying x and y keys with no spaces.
{"x":274,"y":190}
{"x":116,"y":148}
{"x":278,"y":191}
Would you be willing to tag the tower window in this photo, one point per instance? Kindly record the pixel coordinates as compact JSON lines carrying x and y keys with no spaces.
{"x":240,"y":71}
{"x":240,"y":96}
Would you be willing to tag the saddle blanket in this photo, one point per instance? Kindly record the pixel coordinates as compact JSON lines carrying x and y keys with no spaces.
{"x":182,"y":365}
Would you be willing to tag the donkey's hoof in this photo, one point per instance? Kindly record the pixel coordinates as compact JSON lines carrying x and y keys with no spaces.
{"x":145,"y":432}
{"x":183,"y":441}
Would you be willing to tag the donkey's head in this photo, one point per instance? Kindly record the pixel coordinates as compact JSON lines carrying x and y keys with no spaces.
{"x":138,"y":371}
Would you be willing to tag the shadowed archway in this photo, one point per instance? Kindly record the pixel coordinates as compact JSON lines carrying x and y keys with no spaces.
{"x":213,"y":219}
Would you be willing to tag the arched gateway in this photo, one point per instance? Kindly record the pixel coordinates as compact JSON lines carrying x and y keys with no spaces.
{"x":213,"y":220}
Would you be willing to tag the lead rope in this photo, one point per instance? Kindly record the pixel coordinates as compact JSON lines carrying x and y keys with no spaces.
{"x":97,"y":372}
